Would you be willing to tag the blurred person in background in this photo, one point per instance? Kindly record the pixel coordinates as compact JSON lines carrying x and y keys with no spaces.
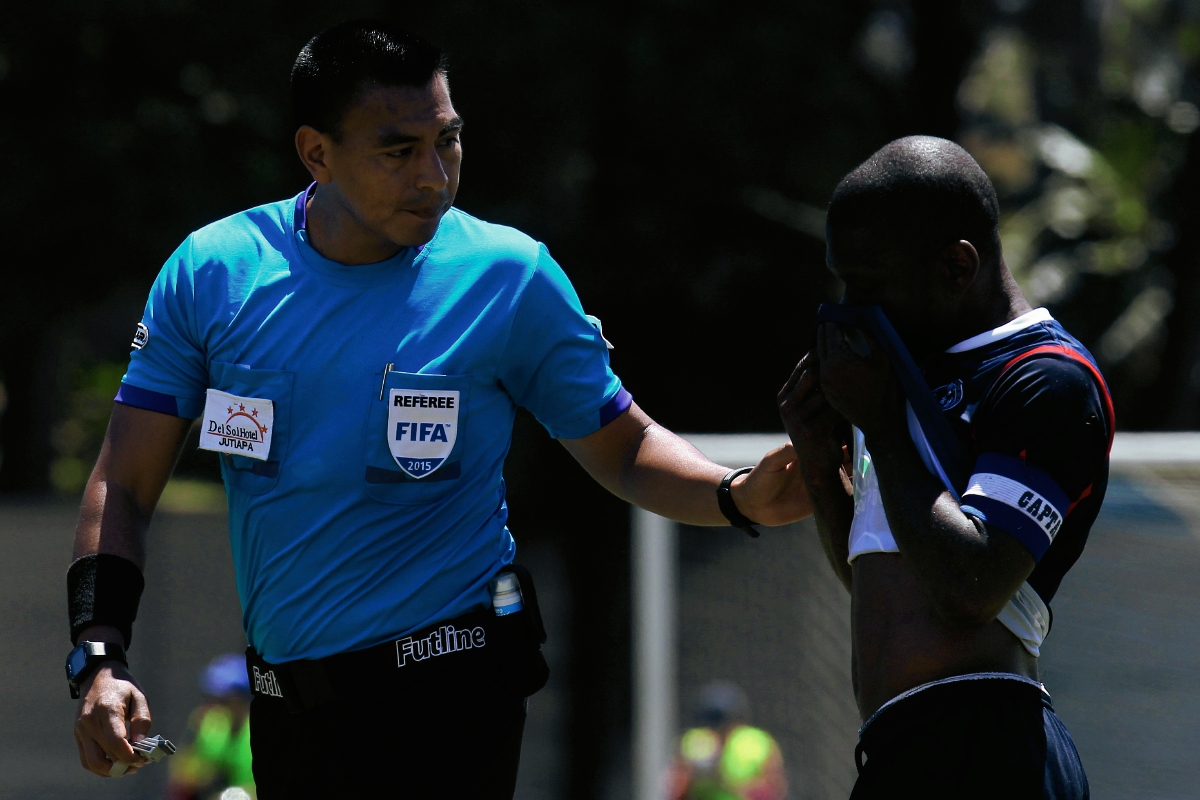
{"x":357,"y":354}
{"x":952,"y":526}
{"x":219,"y":756}
{"x":724,"y":757}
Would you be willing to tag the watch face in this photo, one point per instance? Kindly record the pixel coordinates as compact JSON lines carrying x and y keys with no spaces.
{"x":76,"y":661}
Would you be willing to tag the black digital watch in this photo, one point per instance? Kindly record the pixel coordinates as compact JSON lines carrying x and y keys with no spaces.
{"x":725,"y":501}
{"x":87,"y":656}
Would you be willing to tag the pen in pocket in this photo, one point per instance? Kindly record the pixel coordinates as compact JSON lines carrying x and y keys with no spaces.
{"x":382,"y":384}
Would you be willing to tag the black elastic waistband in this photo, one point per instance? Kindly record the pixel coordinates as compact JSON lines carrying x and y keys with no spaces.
{"x":478,"y":643}
{"x":960,"y":693}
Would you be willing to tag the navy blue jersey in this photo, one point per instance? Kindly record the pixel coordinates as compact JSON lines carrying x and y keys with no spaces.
{"x":1028,"y":402}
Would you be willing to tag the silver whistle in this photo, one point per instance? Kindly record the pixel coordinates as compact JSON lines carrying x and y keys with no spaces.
{"x":153,"y":748}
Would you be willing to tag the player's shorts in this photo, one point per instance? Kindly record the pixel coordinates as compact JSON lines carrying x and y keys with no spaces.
{"x":986,"y":735}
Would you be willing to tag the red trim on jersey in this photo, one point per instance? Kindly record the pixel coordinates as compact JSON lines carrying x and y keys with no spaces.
{"x":1082,"y":495}
{"x":1074,"y":355}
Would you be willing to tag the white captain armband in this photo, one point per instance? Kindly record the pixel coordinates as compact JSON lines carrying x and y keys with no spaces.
{"x":1019,"y":498}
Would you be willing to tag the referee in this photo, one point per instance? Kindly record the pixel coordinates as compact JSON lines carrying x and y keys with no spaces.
{"x":356,"y":355}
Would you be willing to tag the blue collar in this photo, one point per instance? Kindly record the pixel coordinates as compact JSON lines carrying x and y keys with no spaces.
{"x":300,"y":218}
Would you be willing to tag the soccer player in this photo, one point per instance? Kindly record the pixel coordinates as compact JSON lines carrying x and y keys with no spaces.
{"x":356,"y":354}
{"x":950,"y":584}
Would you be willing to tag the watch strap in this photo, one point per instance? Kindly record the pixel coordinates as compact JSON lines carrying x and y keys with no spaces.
{"x":729,"y":508}
{"x":105,"y":651}
{"x":95,"y":653}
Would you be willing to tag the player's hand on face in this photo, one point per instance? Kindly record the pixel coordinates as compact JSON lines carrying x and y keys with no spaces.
{"x":857,"y":379}
{"x":773,"y":493}
{"x":112,"y":712}
{"x":817,"y":431}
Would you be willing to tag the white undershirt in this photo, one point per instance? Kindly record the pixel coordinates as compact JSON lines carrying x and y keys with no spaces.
{"x":1025,"y":614}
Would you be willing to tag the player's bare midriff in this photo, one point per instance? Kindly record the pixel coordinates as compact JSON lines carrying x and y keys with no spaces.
{"x":900,"y":641}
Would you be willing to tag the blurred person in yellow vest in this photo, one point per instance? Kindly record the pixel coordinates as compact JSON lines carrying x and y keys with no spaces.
{"x":217,"y":763}
{"x":725,"y":758}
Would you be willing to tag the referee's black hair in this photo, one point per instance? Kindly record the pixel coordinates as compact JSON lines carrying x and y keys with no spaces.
{"x":336,"y":64}
{"x":908,"y":201}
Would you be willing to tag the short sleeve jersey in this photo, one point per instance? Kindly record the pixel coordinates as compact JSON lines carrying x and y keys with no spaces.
{"x":1027,"y":401}
{"x":378,"y":507}
{"x":1039,"y":420}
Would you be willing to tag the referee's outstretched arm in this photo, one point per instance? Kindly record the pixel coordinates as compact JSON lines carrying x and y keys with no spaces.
{"x":642,"y":462}
{"x":139,"y":452}
{"x":633,"y":457}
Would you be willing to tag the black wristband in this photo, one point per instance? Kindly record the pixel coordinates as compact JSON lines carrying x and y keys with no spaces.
{"x":103,"y":589}
{"x":729,"y":508}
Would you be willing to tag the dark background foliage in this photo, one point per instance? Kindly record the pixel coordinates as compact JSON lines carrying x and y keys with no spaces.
{"x":674,"y":155}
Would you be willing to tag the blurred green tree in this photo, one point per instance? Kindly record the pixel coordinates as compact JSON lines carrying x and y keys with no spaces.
{"x":1082,"y":114}
{"x":676,"y":155}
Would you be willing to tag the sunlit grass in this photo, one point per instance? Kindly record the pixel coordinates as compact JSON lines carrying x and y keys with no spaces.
{"x":189,"y":496}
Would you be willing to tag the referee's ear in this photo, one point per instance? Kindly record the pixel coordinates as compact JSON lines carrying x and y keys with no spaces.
{"x":313,"y":148}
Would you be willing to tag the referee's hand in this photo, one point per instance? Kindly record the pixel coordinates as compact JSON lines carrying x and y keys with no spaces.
{"x":773,"y":493}
{"x":112,"y":712}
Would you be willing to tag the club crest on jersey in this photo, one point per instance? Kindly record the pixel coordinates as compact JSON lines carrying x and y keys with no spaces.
{"x":422,"y":428}
{"x":239,"y":426}
{"x":140,"y":337}
{"x":950,"y":395}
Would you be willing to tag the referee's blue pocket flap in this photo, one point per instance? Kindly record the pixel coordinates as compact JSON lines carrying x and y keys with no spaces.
{"x":266,"y":469}
{"x":447,"y":473}
{"x":250,"y":475}
{"x":415,"y":435}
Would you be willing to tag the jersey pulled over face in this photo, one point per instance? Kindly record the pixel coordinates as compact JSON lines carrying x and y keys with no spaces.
{"x":1027,"y":400}
{"x":362,"y":414}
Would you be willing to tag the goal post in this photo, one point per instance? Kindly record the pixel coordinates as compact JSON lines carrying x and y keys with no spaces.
{"x":655,"y":569}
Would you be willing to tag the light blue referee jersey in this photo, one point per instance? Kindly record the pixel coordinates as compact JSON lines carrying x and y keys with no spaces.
{"x":363,"y":413}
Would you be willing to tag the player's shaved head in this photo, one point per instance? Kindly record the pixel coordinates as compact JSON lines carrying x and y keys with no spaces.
{"x":914,"y":229}
{"x":910,"y":200}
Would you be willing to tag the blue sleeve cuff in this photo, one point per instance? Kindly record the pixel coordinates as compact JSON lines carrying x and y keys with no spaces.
{"x":1018,"y":498}
{"x":138,"y":397}
{"x":615,"y":407}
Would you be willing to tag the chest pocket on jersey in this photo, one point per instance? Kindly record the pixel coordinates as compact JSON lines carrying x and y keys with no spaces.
{"x":415,"y":437}
{"x":250,"y":475}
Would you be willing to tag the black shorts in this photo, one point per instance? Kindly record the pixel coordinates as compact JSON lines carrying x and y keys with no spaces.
{"x":438,"y":713}
{"x":988,"y":735}
{"x":437,"y":740}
